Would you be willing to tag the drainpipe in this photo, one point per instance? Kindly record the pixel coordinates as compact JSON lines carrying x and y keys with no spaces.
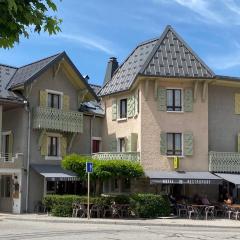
{"x":28,"y":152}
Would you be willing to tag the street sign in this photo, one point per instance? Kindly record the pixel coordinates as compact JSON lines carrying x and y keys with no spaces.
{"x":89,"y":167}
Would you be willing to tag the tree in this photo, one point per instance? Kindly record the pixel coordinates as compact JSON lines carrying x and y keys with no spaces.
{"x":19,"y":17}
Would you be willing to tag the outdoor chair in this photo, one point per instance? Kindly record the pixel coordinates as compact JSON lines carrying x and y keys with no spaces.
{"x":107,"y":211}
{"x":219,"y":211}
{"x":125,"y":211}
{"x":182,"y":210}
{"x":228,"y":211}
{"x":209,"y":212}
{"x":81,"y":211}
{"x":116,"y":210}
{"x":236,"y":214}
{"x":96,"y":211}
{"x":192,"y":212}
{"x":74,"y":210}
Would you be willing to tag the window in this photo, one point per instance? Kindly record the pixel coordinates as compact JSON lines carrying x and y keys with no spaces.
{"x":5,"y":146}
{"x":123,"y":108}
{"x":174,"y":144}
{"x":174,"y":100}
{"x":54,"y":100}
{"x":122,"y":145}
{"x":6,"y":186}
{"x":53,"y":146}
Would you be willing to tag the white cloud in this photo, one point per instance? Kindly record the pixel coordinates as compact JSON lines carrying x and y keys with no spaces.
{"x":88,"y":42}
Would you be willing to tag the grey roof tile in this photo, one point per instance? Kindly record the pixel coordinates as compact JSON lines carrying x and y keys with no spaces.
{"x":168,"y":56}
{"x":96,"y":88}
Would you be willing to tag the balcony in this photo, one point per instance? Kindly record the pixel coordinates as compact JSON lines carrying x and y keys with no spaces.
{"x":224,"y":162}
{"x":130,"y":156}
{"x":8,"y":160}
{"x":57,"y":119}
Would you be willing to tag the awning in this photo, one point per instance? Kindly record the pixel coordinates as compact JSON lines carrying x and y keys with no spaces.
{"x":181,"y":177}
{"x":230,"y":177}
{"x":54,"y":172}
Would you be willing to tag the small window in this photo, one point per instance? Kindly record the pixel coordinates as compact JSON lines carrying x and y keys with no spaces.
{"x":53,"y":146}
{"x":6,"y":147}
{"x":122,"y":147}
{"x":174,"y":100}
{"x":54,"y":100}
{"x":174,"y":144}
{"x":123,"y":108}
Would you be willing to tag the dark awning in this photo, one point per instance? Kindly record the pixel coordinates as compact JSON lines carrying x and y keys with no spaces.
{"x":54,"y":172}
{"x":174,"y":177}
{"x":230,"y":177}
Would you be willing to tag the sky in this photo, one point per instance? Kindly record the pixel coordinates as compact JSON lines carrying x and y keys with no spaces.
{"x":94,"y":30}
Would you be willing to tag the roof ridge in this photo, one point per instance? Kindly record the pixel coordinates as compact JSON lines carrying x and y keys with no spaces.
{"x":6,"y":65}
{"x":147,"y":41}
{"x":57,"y":54}
{"x":93,"y":84}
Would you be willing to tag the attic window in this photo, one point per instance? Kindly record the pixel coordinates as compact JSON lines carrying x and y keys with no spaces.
{"x":171,"y":44}
{"x":177,"y":51}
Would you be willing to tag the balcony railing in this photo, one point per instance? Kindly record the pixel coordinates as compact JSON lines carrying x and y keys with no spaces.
{"x":8,"y":160}
{"x":130,"y":156}
{"x":224,"y":162}
{"x":57,"y":119}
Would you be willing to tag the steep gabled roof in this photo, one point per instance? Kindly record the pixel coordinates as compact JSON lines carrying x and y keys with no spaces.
{"x":168,"y":56}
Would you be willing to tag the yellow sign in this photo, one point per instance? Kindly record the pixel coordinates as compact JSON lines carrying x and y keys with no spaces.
{"x":176,"y":162}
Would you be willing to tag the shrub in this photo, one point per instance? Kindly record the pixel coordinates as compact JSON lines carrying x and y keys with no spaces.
{"x":150,"y":205}
{"x":62,"y":210}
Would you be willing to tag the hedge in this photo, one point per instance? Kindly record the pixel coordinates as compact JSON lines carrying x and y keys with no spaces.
{"x":102,"y":169}
{"x":143,"y":205}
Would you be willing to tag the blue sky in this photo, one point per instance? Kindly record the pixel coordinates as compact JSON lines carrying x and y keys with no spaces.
{"x":94,"y":30}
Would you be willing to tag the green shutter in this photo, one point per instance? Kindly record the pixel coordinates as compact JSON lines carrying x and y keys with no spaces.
{"x":114,"y":109}
{"x":237,"y":103}
{"x":188,"y":143}
{"x":163,"y":143}
{"x":65,"y":103}
{"x":239,"y":142}
{"x":63,"y":146}
{"x":112,"y":145}
{"x":188,"y":100}
{"x":162,"y":99}
{"x":44,"y":145}
{"x":132,"y":142}
{"x":10,"y":146}
{"x":131,"y":106}
{"x":43,"y":98}
{"x":136,"y":102}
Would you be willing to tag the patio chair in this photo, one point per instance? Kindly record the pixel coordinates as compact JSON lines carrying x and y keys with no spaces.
{"x":228,"y":211}
{"x":74,"y":210}
{"x":182,"y":210}
{"x":107,"y":211}
{"x":81,"y":211}
{"x":125,"y":212}
{"x":209,"y":212}
{"x":192,"y":212}
{"x":96,"y":211}
{"x":219,"y":210}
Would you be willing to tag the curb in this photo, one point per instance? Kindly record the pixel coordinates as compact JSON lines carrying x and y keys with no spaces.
{"x":118,"y":223}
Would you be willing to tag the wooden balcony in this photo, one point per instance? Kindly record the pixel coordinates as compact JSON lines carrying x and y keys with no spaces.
{"x":57,"y":119}
{"x":130,"y":156}
{"x":15,"y":161}
{"x":224,"y":162}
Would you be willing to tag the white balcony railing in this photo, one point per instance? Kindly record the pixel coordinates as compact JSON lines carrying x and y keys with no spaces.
{"x":130,"y":156}
{"x":8,"y":160}
{"x":224,"y":162}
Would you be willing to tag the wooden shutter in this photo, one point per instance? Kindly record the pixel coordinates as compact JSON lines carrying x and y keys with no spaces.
{"x":237,"y":103}
{"x":130,"y":106}
{"x":43,"y":98}
{"x":132,"y":142}
{"x":162,"y":99}
{"x":114,"y":109}
{"x":65,"y":103}
{"x":188,"y":100}
{"x":136,"y":103}
{"x":239,"y":142}
{"x":63,"y":146}
{"x":112,"y":145}
{"x":163,"y":143}
{"x":10,"y":146}
{"x":44,"y":145}
{"x":188,"y":143}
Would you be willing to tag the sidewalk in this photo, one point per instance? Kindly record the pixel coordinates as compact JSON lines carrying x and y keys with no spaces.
{"x":218,"y":223}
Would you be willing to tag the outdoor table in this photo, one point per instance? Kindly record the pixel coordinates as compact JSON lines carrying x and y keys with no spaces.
{"x":199,"y":209}
{"x":235,"y":206}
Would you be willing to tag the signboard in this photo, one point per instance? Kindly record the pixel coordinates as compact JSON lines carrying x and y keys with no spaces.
{"x":89,"y":167}
{"x":176,"y":162}
{"x":185,"y":181}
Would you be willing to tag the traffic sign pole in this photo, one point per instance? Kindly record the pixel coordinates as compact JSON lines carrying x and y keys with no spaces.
{"x":88,"y":212}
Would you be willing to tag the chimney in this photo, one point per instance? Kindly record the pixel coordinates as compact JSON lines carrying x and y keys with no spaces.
{"x":86,"y":77}
{"x":111,"y":67}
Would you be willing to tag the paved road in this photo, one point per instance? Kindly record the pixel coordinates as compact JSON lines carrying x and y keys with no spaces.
{"x":12,"y":230}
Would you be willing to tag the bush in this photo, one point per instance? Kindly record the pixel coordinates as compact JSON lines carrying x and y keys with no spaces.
{"x":150,"y":205}
{"x":143,"y":205}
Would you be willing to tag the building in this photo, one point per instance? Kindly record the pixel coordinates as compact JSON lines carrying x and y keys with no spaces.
{"x":40,"y":124}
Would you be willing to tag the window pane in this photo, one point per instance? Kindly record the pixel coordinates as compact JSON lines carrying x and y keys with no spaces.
{"x":49,"y":100}
{"x":123,"y":108}
{"x":170,"y":143}
{"x":56,"y":101}
{"x":178,"y":142}
{"x":169,"y":98}
{"x":178,"y":98}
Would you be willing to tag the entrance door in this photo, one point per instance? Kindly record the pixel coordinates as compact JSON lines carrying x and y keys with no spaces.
{"x":6,"y":201}
{"x":95,"y":146}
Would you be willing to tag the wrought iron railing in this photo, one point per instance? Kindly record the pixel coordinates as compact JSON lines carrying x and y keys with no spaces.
{"x":130,"y":156}
{"x":57,"y":119}
{"x":9,"y":160}
{"x":224,"y":162}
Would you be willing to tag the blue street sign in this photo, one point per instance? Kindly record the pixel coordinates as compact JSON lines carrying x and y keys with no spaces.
{"x":89,"y":167}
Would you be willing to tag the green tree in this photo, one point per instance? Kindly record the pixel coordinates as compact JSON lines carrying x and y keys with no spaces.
{"x":19,"y":17}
